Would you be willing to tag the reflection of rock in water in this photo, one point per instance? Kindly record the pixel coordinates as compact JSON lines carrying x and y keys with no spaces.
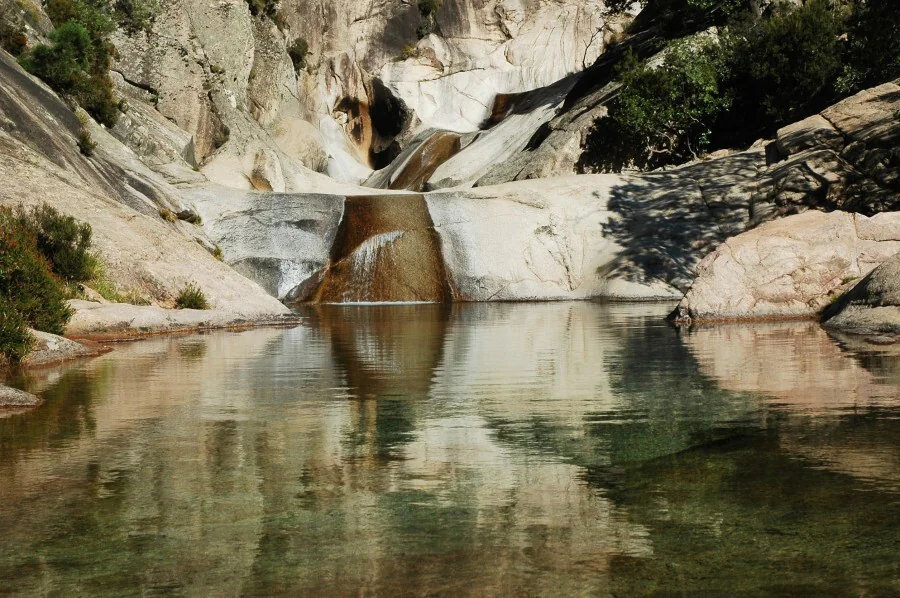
{"x":797,"y":362}
{"x":386,"y":250}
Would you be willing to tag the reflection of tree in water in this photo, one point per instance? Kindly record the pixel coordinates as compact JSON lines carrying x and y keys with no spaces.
{"x":663,"y":406}
{"x":65,"y":414}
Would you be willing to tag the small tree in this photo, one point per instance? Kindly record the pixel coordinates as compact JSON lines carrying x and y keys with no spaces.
{"x":63,"y":241}
{"x":27,"y":285}
{"x":662,"y":116}
{"x":298,"y":52}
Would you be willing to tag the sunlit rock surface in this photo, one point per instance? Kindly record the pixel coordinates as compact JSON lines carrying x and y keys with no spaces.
{"x":792,"y":267}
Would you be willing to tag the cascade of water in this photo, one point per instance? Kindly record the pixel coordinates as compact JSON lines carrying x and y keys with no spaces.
{"x":365,"y":260}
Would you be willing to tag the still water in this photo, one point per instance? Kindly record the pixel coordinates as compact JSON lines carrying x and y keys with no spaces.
{"x":556,"y":449}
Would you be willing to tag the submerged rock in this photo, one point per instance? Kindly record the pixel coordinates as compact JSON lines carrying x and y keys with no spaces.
{"x":792,"y":267}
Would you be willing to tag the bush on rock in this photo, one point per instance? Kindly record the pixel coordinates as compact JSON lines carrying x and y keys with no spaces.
{"x":28,"y":287}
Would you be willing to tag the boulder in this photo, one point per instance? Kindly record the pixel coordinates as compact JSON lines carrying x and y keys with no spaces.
{"x":50,"y":349}
{"x":789,"y":268}
{"x":11,"y":398}
{"x":873,"y":305}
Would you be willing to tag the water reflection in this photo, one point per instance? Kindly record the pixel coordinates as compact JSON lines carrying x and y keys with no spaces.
{"x":474,"y":449}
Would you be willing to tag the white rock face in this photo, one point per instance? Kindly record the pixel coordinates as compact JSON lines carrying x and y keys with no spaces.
{"x":225,"y":78}
{"x":543,"y":239}
{"x":502,"y":47}
{"x":120,"y":197}
{"x":280,"y":241}
{"x":792,"y":267}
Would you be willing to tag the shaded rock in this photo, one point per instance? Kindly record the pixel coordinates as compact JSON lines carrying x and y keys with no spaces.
{"x":791,"y":267}
{"x":873,"y":305}
{"x":279,"y":241}
{"x":10,"y":398}
{"x":813,"y":132}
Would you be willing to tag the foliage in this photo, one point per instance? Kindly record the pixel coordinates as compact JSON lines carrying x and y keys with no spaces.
{"x":15,"y":340}
{"x":267,"y":8}
{"x":662,"y":116}
{"x":191,"y":297}
{"x":62,"y":240}
{"x":784,"y":66}
{"x":77,"y":64}
{"x":427,"y":10}
{"x":429,"y":7}
{"x":409,"y":51}
{"x":298,"y":52}
{"x":424,"y":29}
{"x":764,"y":73}
{"x":874,"y":45}
{"x":12,"y":39}
{"x":135,"y":16}
{"x":27,"y":284}
{"x":109,"y":291}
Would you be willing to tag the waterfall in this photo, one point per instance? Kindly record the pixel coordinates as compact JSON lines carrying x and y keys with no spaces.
{"x":364,"y":262}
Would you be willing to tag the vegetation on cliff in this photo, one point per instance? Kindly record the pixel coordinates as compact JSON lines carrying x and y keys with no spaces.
{"x":744,"y":81}
{"x":43,"y":255}
{"x":76,"y":63}
{"x":31,"y":294}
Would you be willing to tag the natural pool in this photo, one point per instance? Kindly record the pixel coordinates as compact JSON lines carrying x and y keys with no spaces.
{"x":495,"y":449}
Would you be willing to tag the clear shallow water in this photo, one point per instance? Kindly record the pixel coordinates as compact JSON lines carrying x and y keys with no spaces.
{"x":556,"y":449}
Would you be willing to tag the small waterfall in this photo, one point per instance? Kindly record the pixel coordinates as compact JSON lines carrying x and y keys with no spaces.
{"x":386,"y":251}
{"x":364,"y":262}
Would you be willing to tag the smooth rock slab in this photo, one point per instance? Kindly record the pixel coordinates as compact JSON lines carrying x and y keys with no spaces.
{"x":120,"y":320}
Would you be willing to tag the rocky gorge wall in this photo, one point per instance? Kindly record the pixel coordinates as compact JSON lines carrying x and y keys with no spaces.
{"x":366,"y":85}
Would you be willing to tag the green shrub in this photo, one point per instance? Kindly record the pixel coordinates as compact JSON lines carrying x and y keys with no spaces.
{"x":662,"y":116}
{"x":761,"y":75}
{"x":110,"y":291}
{"x":191,"y":297}
{"x":12,"y":39}
{"x":424,"y":29}
{"x":27,"y":284}
{"x":77,"y":63}
{"x":135,"y":16}
{"x":63,"y":241}
{"x":61,"y":63}
{"x":77,"y":66}
{"x":784,"y":67}
{"x":429,"y":7}
{"x":15,"y":340}
{"x":298,"y":52}
{"x":874,"y":45}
